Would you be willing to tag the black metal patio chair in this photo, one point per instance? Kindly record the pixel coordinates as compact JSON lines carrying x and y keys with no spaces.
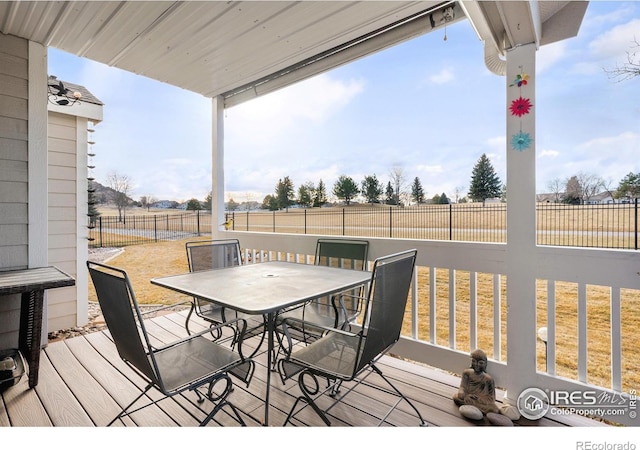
{"x":194,"y":363}
{"x":343,"y":356}
{"x":308,"y":322}
{"x":220,"y":254}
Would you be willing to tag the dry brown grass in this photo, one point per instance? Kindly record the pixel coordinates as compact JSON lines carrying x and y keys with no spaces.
{"x":146,"y":261}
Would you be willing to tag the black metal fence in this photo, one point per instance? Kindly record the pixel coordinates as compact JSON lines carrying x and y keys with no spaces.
{"x":112,"y":231}
{"x":603,"y":226}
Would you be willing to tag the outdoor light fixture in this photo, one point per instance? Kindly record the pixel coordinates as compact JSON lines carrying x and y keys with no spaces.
{"x":58,"y":94}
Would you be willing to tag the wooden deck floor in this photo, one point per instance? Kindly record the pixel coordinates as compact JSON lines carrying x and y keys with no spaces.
{"x":83,"y":383}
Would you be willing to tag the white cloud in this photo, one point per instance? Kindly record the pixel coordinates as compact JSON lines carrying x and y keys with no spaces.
{"x":548,"y":154}
{"x":430,"y":169}
{"x":444,"y":76}
{"x":273,"y":115}
{"x":549,"y":55}
{"x":616,"y":42}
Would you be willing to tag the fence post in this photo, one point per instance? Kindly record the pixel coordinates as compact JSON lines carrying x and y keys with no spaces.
{"x":155,"y":227}
{"x":343,"y":220}
{"x":390,"y":222}
{"x":305,"y":221}
{"x":450,"y":222}
{"x":635,"y":224}
{"x":100,"y":229}
{"x":274,"y":221}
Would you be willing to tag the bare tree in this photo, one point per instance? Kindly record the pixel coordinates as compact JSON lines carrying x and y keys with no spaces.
{"x":121,"y":188}
{"x":398,"y":182}
{"x":458,"y":192}
{"x":630,"y":69}
{"x":590,"y":185}
{"x":556,"y":187}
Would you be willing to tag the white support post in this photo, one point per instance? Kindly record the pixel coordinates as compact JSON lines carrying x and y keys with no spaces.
{"x":217,"y":168}
{"x":521,"y":221}
{"x":38,"y":162}
{"x":38,"y":158}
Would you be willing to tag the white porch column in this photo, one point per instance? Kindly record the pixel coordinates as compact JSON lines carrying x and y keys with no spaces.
{"x":217,"y":168}
{"x":38,"y":158}
{"x":521,"y":221}
{"x":38,"y":163}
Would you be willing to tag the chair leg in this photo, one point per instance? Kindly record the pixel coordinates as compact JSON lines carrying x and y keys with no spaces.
{"x":423,"y":423}
{"x":124,"y":412}
{"x":220,"y":400}
{"x":307,"y":397}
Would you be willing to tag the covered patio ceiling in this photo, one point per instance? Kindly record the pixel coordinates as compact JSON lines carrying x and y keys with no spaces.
{"x":244,"y":49}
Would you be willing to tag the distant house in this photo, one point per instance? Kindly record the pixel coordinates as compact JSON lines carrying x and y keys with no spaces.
{"x":550,"y":197}
{"x":604,"y":198}
{"x":165,"y":204}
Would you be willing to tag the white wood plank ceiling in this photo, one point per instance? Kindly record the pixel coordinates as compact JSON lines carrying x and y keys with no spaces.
{"x":235,"y":49}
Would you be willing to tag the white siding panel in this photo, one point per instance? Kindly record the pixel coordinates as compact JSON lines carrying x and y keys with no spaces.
{"x":64,"y":159}
{"x":62,"y":173}
{"x":62,"y":254}
{"x":61,"y":214}
{"x":13,"y":128}
{"x":13,"y":192}
{"x":16,"y":86}
{"x":13,"y":213}
{"x":62,"y":241}
{"x":11,"y":106}
{"x":11,"y":257}
{"x":13,"y":235}
{"x":64,"y":200}
{"x":63,"y":185}
{"x":62,"y":132}
{"x":13,"y":149}
{"x":13,"y":171}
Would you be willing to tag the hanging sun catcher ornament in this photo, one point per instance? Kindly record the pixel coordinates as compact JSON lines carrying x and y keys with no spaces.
{"x":520,"y":107}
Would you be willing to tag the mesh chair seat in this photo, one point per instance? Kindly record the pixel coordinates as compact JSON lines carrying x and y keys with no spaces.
{"x":336,"y":355}
{"x":187,"y":364}
{"x":307,"y":323}
{"x":220,"y":254}
{"x":340,"y":356}
{"x":193,"y":360}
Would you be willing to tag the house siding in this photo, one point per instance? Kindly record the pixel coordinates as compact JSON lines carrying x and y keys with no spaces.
{"x":62,"y":205}
{"x":14,"y":96}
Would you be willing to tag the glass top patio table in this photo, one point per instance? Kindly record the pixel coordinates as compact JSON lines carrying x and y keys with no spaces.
{"x":265,"y":288}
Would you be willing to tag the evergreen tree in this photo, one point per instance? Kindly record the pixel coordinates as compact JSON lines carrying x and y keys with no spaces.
{"x":92,"y":211}
{"x":320,"y":197}
{"x":573,"y":191}
{"x":193,"y":205}
{"x":417,"y":194}
{"x":305,"y":193}
{"x":284,"y":193}
{"x":345,"y":189}
{"x":485,"y":183}
{"x":371,"y":189}
{"x":390,"y":195}
{"x":270,"y":203}
{"x":629,"y":187}
{"x":207,"y":202}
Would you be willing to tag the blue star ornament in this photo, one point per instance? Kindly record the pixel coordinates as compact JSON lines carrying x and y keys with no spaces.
{"x":521,"y":141}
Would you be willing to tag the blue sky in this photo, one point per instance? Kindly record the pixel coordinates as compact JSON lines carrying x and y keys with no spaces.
{"x":429,"y":107}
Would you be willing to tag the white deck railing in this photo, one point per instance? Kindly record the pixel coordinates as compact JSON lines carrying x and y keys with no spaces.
{"x":464,"y":267}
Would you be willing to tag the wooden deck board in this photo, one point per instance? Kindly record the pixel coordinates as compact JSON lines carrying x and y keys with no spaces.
{"x":83,"y":382}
